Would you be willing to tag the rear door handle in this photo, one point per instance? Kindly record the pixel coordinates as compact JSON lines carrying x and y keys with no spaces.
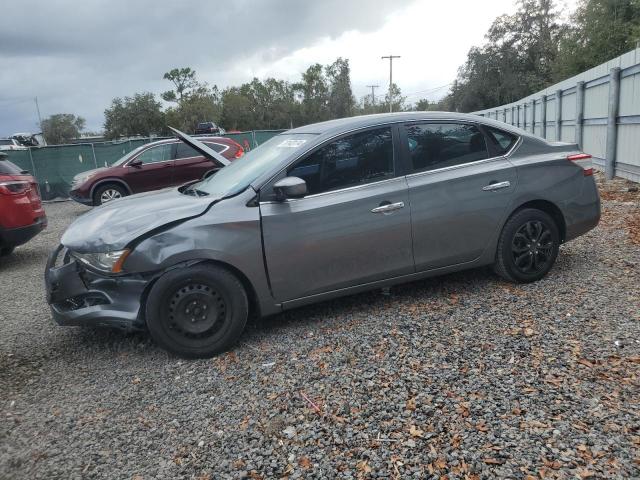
{"x":388,"y":207}
{"x":496,"y":186}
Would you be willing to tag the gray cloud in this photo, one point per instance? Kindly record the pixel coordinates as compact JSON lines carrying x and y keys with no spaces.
{"x":78,"y":55}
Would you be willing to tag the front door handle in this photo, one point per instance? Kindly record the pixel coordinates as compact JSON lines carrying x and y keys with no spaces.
{"x":388,"y":207}
{"x":496,"y":186}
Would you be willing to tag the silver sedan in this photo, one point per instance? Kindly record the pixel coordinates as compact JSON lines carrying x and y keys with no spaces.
{"x":318,"y":212}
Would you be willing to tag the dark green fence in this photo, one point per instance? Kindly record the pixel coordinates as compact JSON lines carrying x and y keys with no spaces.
{"x":55,"y":166}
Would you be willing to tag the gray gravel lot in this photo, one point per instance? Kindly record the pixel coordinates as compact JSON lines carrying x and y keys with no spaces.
{"x":464,"y":376}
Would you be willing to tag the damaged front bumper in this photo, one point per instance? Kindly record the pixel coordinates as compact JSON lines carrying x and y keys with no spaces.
{"x":79,"y":296}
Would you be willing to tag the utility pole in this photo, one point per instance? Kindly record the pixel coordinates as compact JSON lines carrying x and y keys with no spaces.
{"x":373,"y":94}
{"x":390,"y":57}
{"x":39,"y":117}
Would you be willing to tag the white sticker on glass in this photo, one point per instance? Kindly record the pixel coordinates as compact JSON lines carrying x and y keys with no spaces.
{"x":291,"y":143}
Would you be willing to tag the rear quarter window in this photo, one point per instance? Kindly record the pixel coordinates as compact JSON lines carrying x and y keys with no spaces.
{"x":502,"y":141}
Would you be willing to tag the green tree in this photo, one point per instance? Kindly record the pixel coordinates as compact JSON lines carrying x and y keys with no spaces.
{"x":393,"y":96}
{"x":236,"y":110}
{"x":518,"y":58}
{"x":600,"y":31}
{"x":137,"y":115}
{"x":201,"y":105}
{"x":184,"y":80}
{"x":340,"y":96}
{"x":62,"y":128}
{"x":314,"y":93}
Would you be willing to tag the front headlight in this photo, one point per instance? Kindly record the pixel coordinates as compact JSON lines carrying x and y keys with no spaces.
{"x":108,"y":262}
{"x":82,"y":178}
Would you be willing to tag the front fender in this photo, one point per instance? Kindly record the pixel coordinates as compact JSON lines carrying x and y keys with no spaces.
{"x":228,"y":233}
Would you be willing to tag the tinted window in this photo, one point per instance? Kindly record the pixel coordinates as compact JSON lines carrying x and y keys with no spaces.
{"x":185,"y":151}
{"x":156,"y":154}
{"x":6,"y":142}
{"x":354,"y":160}
{"x":439,"y":145}
{"x":8,"y":168}
{"x":503,"y":141}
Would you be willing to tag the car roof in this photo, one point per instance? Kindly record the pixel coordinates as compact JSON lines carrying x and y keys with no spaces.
{"x":324,"y":131}
{"x":333,"y":127}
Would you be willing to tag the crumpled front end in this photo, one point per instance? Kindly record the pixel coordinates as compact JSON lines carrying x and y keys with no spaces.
{"x":81,"y":297}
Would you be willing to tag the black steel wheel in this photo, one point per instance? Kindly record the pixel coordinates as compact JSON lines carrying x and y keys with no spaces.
{"x":197,"y":311}
{"x":528,"y":246}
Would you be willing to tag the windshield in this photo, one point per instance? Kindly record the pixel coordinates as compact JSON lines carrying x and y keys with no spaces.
{"x":6,"y":142}
{"x":236,"y":177}
{"x":129,"y":155}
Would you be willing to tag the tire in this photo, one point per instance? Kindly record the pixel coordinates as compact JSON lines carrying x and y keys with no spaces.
{"x":5,"y":251}
{"x":197,"y":312}
{"x":528,"y":246}
{"x":112,"y":190}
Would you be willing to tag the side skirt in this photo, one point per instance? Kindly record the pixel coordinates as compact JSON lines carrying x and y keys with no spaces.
{"x":299,"y":302}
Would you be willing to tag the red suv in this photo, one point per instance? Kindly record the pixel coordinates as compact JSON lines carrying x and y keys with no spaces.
{"x":21,"y":214}
{"x":156,"y":165}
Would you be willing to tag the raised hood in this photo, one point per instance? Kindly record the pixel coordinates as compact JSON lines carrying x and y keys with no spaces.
{"x":116,"y":224}
{"x":200,"y":147}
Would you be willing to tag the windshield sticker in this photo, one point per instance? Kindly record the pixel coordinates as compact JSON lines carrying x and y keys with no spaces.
{"x":291,"y":143}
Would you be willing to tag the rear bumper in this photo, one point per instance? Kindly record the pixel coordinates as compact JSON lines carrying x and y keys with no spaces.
{"x":583,"y":212}
{"x":77,"y":196}
{"x":79,"y":297}
{"x":17,"y":236}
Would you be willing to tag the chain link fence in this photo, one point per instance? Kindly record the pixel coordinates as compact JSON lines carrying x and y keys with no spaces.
{"x":55,"y":166}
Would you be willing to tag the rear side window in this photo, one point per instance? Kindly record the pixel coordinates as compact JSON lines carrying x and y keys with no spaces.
{"x":502,"y":141}
{"x":8,"y":168}
{"x":352,"y":160}
{"x":216,"y":147}
{"x":439,"y":145}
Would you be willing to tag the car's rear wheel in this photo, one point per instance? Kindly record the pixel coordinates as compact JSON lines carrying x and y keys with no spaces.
{"x":528,"y":246}
{"x":8,"y":250}
{"x":197,"y":311}
{"x":108,"y":192}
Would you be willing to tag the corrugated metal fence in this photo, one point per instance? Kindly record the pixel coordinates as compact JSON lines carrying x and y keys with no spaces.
{"x":599,"y":109}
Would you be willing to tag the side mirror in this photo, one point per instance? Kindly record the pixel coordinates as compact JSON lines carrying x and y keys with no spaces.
{"x":135,"y":163}
{"x":290,"y":187}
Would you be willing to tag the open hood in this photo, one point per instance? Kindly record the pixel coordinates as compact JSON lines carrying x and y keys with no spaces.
{"x":200,"y":147}
{"x":116,"y":224}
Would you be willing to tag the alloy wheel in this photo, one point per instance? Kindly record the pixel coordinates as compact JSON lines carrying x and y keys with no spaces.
{"x":532,"y":247}
{"x":110,"y":194}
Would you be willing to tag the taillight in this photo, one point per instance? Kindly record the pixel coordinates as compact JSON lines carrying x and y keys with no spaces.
{"x":239,"y":152}
{"x":584,"y":160}
{"x":13,"y":187}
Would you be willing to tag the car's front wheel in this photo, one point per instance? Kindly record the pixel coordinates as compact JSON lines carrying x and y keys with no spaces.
{"x":197,"y":311}
{"x":528,"y":246}
{"x":107,"y":193}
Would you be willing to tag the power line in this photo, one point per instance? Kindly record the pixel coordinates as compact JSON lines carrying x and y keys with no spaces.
{"x":390,"y":57}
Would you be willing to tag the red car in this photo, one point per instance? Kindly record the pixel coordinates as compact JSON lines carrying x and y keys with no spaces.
{"x":153,"y":166}
{"x":21,"y":214}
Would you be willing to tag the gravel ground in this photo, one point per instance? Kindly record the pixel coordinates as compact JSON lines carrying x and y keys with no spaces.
{"x":462,"y":376}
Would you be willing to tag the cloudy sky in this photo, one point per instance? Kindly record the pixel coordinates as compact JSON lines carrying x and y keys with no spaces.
{"x":75,"y":56}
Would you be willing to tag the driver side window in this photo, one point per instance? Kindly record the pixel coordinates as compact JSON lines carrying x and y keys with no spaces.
{"x":352,"y":160}
{"x":156,"y":154}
